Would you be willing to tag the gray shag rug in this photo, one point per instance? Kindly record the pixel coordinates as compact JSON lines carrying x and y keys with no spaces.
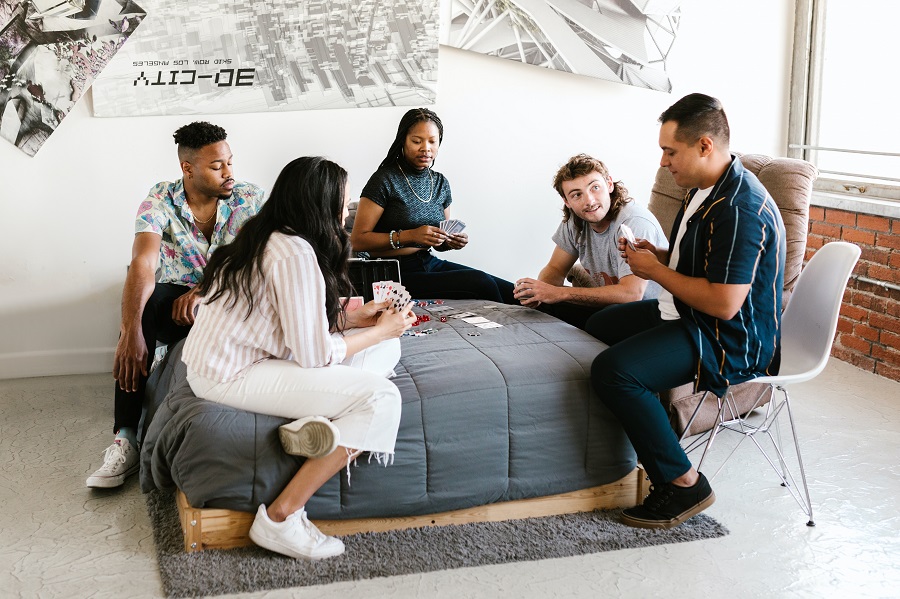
{"x":373,"y":555}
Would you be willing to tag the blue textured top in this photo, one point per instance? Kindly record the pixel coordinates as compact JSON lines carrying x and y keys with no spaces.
{"x":404,"y":194}
{"x":736,"y":236}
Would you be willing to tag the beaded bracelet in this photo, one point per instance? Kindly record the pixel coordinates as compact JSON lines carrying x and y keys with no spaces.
{"x":394,"y":244}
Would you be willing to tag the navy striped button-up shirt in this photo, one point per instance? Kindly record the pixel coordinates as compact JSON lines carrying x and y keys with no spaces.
{"x":736,"y":236}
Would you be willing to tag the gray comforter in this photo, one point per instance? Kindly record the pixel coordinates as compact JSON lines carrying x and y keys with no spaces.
{"x":505,"y":414}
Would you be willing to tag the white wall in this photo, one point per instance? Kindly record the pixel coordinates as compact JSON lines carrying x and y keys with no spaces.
{"x":66,"y":215}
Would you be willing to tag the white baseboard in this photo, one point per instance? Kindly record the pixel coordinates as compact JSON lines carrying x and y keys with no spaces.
{"x":56,"y":362}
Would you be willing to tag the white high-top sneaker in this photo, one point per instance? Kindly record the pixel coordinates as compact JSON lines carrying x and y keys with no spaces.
{"x":120,"y":460}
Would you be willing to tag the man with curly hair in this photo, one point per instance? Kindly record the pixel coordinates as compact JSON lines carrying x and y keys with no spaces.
{"x":594,"y":209}
{"x":177,"y":228}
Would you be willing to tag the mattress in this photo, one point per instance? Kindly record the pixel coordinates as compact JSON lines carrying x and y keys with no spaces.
{"x":489,"y":414}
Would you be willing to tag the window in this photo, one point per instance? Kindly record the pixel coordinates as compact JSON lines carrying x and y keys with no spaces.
{"x":844,"y":112}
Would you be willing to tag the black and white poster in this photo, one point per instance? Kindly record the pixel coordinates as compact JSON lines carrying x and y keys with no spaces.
{"x":220,"y":56}
{"x":50,"y":53}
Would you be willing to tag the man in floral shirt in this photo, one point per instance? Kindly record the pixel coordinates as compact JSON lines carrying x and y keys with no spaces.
{"x":177,"y":228}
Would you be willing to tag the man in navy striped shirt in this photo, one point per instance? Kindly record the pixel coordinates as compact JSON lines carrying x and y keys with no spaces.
{"x":717,"y":323}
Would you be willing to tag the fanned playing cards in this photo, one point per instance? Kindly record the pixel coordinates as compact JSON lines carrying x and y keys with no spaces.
{"x":391,"y":291}
{"x":452,"y":226}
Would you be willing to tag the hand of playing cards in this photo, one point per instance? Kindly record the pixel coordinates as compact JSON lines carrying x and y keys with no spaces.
{"x":394,"y":293}
{"x":452,"y":226}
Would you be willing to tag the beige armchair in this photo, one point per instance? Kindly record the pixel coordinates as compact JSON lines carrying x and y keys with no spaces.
{"x":789,"y":181}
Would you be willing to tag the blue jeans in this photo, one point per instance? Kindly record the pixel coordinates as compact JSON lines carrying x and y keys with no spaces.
{"x":646,"y":355}
{"x":574,"y":314}
{"x":428,"y":277}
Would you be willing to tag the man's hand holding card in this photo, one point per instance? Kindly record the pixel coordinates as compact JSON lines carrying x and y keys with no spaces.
{"x":626,"y":233}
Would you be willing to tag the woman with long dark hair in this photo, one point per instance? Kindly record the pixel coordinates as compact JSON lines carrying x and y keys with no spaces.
{"x":400,"y":211}
{"x":273,"y":337}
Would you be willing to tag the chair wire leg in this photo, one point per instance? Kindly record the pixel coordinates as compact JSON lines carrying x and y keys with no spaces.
{"x":784,"y":473}
{"x":719,"y":423}
{"x":702,"y":437}
{"x":687,"y":426}
{"x":779,"y":444}
{"x":787,"y":401}
{"x":737,"y":423}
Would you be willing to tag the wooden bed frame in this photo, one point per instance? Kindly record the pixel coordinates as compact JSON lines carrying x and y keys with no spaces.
{"x":212,"y":528}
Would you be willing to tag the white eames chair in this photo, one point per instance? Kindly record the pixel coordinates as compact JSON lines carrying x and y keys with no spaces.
{"x":808,"y":327}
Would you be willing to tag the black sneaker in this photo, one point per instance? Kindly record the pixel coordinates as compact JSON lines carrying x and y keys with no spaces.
{"x":669,"y":505}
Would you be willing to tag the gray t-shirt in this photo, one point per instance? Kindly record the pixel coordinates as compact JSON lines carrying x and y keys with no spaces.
{"x":599,"y":254}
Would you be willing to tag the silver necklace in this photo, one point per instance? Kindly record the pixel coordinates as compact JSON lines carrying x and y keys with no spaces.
{"x":430,"y":193}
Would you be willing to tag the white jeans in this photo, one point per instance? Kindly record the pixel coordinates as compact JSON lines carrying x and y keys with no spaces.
{"x":354,"y":395}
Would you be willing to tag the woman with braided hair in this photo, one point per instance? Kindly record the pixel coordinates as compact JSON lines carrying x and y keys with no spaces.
{"x":399,"y":215}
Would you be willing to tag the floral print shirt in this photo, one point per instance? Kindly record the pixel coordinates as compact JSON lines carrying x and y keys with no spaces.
{"x":184,"y":250}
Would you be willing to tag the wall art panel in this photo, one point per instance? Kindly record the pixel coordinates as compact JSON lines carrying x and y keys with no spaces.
{"x":221,"y":56}
{"x":50,"y":53}
{"x":619,"y":40}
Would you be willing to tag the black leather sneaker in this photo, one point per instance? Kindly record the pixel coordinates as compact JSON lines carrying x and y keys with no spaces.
{"x":669,"y":505}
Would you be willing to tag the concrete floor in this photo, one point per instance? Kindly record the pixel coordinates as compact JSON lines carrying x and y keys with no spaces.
{"x":60,"y":539}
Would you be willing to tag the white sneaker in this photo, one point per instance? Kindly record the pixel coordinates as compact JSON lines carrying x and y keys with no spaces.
{"x":313,"y":437}
{"x":296,"y":537}
{"x":119,"y":461}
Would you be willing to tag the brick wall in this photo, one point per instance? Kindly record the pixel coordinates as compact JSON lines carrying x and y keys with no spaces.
{"x":868,"y":334}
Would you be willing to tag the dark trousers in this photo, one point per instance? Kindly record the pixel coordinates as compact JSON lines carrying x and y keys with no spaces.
{"x":575,"y":314}
{"x":157,"y":325}
{"x":646,"y":355}
{"x":428,"y":277}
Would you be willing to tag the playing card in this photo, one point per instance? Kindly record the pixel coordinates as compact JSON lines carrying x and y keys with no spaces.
{"x":381,"y":290}
{"x":463,"y":315}
{"x":490,"y":324}
{"x":434,"y":309}
{"x":452,"y":226}
{"x":626,"y":232}
{"x":398,"y":297}
{"x":475,"y":319}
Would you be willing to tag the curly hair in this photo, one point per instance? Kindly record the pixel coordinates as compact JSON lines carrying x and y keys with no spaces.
{"x":193,"y":136}
{"x":416,"y":115}
{"x":579,"y":166}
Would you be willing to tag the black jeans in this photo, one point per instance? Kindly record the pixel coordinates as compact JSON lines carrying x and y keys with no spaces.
{"x":646,"y":355}
{"x":428,"y":277}
{"x":157,"y":324}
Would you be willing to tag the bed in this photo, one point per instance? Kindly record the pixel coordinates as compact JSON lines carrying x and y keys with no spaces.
{"x":490,"y":417}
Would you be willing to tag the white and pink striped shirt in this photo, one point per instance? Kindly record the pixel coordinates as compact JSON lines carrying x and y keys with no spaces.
{"x":288,"y":321}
